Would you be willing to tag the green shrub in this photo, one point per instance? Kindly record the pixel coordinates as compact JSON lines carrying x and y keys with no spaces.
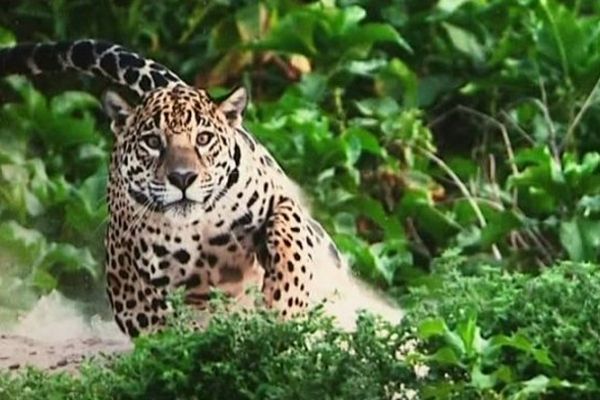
{"x":237,"y":357}
{"x":556,"y":311}
{"x":255,"y":356}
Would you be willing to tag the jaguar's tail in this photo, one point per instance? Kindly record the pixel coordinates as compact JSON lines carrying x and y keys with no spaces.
{"x":93,"y":57}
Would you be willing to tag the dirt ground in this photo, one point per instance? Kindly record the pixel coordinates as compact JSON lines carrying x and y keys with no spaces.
{"x":55,"y":336}
{"x":17,"y":352}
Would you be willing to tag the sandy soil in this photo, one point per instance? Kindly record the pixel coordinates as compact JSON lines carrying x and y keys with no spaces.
{"x":17,"y":352}
{"x":55,"y":336}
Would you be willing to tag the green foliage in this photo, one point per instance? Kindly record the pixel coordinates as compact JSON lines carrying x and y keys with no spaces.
{"x":245,"y":355}
{"x":52,"y":174}
{"x":254,"y":356}
{"x":556,"y":311}
{"x":239,"y":357}
{"x":474,"y":366}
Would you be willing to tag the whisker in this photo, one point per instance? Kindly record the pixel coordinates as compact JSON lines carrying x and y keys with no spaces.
{"x":139,"y":216}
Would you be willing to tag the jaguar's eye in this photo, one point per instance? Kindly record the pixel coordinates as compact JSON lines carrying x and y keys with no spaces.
{"x":152,"y":141}
{"x":203,"y":138}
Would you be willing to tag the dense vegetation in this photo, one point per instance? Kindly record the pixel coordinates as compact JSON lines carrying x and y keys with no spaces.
{"x":486,"y":335}
{"x":450,"y":146}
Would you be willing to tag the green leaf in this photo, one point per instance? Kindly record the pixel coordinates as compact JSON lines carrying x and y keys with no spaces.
{"x":294,"y":33}
{"x":371,"y":33}
{"x":365,"y":67}
{"x":381,"y":107}
{"x":536,"y":385}
{"x":247,"y":20}
{"x":520,"y":342}
{"x":580,"y":238}
{"x":358,"y":251}
{"x":68,"y":102}
{"x":345,"y":223}
{"x":367,"y":140}
{"x":431,"y":87}
{"x":482,"y":381}
{"x":397,"y":80}
{"x":449,"y":6}
{"x":69,"y":132}
{"x":21,"y":245}
{"x":35,"y":103}
{"x":445,"y":355}
{"x":390,"y":256}
{"x":539,"y":385}
{"x":70,"y":259}
{"x":419,"y":205}
{"x":499,"y":225}
{"x":541,"y":178}
{"x":431,"y":327}
{"x":353,"y":149}
{"x":465,"y":42}
{"x":455,"y":340}
{"x":588,"y":204}
{"x":582,"y":176}
{"x":560,"y":37}
{"x":470,"y":335}
{"x":7,"y":38}
{"x":313,"y":87}
{"x":44,"y":280}
{"x":343,"y":19}
{"x":505,"y":374}
{"x":374,"y":210}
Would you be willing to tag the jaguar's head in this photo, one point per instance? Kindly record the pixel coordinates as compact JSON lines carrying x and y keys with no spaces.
{"x":176,"y":151}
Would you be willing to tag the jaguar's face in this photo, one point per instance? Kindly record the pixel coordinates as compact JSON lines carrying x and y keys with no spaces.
{"x":176,"y":151}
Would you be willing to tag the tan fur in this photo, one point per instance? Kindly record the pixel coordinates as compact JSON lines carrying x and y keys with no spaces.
{"x":196,"y":202}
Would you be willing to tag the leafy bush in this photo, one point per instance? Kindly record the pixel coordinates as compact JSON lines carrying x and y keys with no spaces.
{"x":255,"y":356}
{"x":237,"y":357}
{"x":556,"y":311}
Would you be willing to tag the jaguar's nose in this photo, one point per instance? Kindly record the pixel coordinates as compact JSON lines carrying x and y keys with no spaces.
{"x":182,"y":179}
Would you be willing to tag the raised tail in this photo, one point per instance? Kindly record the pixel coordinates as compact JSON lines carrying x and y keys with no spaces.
{"x":92,"y":57}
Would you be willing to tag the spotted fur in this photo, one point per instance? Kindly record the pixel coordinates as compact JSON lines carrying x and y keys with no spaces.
{"x":194,"y":201}
{"x":93,"y":57}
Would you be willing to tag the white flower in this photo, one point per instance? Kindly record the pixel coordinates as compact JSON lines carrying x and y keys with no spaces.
{"x":421,"y":370}
{"x":405,"y":393}
{"x":406,"y":348}
{"x":382,"y":333}
{"x":411,"y":394}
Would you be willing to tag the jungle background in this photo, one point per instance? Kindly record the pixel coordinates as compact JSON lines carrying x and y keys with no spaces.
{"x":449,"y":146}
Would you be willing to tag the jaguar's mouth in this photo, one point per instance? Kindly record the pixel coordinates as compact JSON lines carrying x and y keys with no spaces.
{"x":181,"y":206}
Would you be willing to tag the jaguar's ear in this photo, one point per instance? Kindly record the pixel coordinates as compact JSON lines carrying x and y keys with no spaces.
{"x":117,"y":110}
{"x":234,"y":105}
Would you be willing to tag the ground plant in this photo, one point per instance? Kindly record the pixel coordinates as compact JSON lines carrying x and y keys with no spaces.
{"x":451,"y":147}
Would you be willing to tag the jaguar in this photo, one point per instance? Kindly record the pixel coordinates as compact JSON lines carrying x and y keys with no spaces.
{"x":194,"y":200}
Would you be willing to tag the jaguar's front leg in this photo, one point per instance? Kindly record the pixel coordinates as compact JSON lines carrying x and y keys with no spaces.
{"x":289,"y":265}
